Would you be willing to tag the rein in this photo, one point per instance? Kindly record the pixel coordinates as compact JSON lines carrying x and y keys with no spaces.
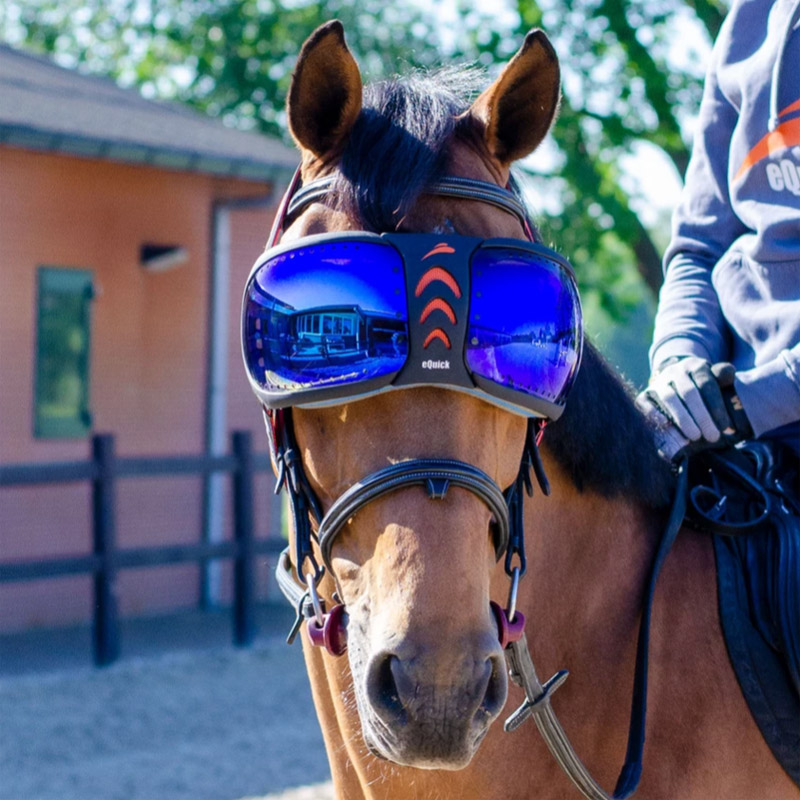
{"x":328,"y":629}
{"x":537,"y":695}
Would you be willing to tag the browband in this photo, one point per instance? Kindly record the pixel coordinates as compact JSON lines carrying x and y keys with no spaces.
{"x":463,"y":188}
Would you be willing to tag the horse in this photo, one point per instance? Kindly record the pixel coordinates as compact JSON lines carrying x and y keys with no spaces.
{"x":410,"y":711}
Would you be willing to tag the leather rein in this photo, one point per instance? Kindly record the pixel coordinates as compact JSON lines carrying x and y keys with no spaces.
{"x":299,"y":583}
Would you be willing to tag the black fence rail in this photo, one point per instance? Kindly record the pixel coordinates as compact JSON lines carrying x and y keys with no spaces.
{"x":107,"y":559}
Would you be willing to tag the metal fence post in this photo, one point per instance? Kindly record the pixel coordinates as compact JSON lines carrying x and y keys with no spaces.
{"x":244,"y":626}
{"x":106,"y":620}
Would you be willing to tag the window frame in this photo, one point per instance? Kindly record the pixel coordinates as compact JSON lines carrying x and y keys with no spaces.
{"x":79,"y":282}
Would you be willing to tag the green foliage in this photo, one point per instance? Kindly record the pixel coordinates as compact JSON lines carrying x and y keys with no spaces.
{"x":230,"y":58}
{"x":619,"y":88}
{"x":628,"y":77}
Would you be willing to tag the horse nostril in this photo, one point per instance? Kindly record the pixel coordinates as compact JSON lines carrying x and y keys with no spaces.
{"x":496,"y":688}
{"x":382,"y":689}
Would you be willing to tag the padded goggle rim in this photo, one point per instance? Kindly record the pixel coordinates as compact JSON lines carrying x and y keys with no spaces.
{"x":509,"y":399}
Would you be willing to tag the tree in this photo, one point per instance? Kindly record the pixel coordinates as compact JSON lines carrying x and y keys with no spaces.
{"x":622,"y":87}
{"x":232,"y":59}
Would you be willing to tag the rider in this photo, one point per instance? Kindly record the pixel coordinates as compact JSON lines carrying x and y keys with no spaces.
{"x":732,"y":269}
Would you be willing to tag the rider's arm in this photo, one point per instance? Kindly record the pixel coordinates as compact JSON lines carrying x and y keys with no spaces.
{"x":689,"y":321}
{"x":770,"y":393}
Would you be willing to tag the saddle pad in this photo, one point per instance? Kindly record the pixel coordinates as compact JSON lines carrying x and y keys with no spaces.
{"x":758,"y":584}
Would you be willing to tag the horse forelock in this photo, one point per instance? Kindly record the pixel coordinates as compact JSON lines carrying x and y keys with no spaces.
{"x":399,"y":143}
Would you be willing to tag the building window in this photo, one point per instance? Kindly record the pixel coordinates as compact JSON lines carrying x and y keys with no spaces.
{"x":61,"y":395}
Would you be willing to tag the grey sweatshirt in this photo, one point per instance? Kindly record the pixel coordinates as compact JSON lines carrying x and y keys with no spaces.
{"x":732,"y":269}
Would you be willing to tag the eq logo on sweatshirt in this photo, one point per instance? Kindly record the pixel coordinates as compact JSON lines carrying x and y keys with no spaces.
{"x":782,"y":175}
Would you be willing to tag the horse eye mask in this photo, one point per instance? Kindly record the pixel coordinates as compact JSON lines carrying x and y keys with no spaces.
{"x":344,"y":315}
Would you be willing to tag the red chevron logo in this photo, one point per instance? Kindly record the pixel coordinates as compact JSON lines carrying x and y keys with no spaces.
{"x":438,"y":304}
{"x":442,"y":247}
{"x":437,"y":274}
{"x":436,"y":333}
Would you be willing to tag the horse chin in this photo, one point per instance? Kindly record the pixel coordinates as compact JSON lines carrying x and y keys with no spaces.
{"x":425,"y":747}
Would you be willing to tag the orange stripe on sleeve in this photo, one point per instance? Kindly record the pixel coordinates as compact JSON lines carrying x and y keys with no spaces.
{"x":785,"y":135}
{"x":788,"y":110}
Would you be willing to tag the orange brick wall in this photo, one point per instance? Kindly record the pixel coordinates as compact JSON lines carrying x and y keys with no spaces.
{"x":148,"y":361}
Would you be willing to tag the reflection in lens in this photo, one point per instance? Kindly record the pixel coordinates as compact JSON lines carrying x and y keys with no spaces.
{"x":326,"y":315}
{"x":525,"y":323}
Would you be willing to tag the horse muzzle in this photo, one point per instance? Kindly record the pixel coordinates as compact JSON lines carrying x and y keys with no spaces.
{"x":430,"y":708}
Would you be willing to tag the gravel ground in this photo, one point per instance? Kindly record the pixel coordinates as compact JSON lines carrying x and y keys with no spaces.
{"x":218,"y":724}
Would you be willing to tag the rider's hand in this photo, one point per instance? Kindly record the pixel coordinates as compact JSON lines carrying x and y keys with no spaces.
{"x":681,"y":400}
{"x":687,"y":392}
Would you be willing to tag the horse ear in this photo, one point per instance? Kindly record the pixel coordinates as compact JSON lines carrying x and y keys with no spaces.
{"x":325,"y":93}
{"x":518,"y":108}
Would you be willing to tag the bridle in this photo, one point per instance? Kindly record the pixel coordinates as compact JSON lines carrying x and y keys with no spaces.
{"x":326,"y":628}
{"x":436,"y":476}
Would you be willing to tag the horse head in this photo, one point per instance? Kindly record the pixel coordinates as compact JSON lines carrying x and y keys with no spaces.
{"x":415,"y":576}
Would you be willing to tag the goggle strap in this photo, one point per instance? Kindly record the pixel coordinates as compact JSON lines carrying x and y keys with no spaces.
{"x":283,"y":210}
{"x":451,"y":186}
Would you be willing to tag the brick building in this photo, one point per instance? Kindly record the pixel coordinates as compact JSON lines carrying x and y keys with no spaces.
{"x":127,"y":228}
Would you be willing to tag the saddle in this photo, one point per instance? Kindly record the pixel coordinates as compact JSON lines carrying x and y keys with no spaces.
{"x":747,"y":497}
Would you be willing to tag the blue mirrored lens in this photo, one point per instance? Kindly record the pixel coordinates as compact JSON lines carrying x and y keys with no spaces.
{"x":525,"y":328}
{"x":326,"y":315}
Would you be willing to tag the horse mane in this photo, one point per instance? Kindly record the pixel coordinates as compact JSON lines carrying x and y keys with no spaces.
{"x":399,"y":146}
{"x":603,"y":441}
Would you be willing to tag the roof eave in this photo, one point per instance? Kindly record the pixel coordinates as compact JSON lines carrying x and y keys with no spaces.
{"x":123,"y":152}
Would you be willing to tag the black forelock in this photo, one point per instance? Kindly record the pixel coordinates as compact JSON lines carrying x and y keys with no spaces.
{"x":399,"y":142}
